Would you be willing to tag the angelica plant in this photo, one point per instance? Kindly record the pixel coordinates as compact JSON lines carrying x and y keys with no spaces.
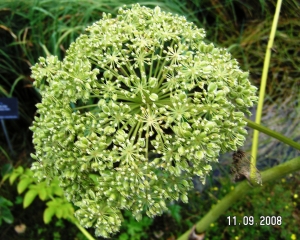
{"x":139,"y":105}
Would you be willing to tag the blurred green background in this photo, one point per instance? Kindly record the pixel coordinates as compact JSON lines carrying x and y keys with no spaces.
{"x":33,"y":28}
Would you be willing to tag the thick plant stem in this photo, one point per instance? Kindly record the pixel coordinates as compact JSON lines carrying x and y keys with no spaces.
{"x":263,"y":88}
{"x":239,"y":191}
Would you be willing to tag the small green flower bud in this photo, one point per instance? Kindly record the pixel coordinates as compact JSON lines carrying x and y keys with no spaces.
{"x":153,"y":97}
{"x":138,"y":217}
{"x":181,"y":151}
{"x":240,"y":102}
{"x":184,"y":198}
{"x":199,"y":155}
{"x":152,"y":82}
{"x":112,"y":197}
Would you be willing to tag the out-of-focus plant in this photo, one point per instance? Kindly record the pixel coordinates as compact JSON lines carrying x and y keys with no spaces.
{"x":5,"y":204}
{"x":51,"y":193}
{"x":138,"y":106}
{"x":6,"y":214}
{"x":134,"y":230}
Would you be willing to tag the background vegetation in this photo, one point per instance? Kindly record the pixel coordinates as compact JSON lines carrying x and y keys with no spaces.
{"x":33,"y":28}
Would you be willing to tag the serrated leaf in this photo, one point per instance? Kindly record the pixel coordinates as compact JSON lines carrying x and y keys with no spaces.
{"x":48,"y":214}
{"x":29,"y":197}
{"x":23,"y":184}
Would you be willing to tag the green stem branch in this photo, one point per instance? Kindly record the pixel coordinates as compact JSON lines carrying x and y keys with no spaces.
{"x":272,"y":133}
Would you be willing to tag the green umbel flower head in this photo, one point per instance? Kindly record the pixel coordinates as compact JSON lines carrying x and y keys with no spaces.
{"x":139,"y":105}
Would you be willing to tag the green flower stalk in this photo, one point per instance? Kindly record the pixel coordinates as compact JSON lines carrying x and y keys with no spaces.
{"x":139,"y":105}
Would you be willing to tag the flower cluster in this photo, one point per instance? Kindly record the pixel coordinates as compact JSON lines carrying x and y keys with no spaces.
{"x":139,"y":105}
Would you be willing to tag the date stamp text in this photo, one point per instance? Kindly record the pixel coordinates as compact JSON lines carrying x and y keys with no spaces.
{"x":251,"y":221}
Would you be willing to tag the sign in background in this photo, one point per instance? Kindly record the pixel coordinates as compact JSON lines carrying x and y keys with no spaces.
{"x":9,"y":108}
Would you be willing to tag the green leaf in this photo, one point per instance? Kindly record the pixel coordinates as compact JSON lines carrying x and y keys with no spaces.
{"x":175,"y":212}
{"x":28,"y":172}
{"x":16,"y":173}
{"x":29,"y":197}
{"x":23,"y":184}
{"x":123,"y":236}
{"x":55,"y":188}
{"x":13,"y":177}
{"x":6,"y":215}
{"x":4,"y":202}
{"x":59,"y":212}
{"x":43,"y":194}
{"x":69,"y":210}
{"x":58,"y":191}
{"x":6,"y":176}
{"x":48,"y":214}
{"x":19,"y":199}
{"x":61,"y":208}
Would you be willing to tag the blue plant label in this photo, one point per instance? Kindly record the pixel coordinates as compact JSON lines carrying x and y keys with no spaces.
{"x":9,"y":108}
